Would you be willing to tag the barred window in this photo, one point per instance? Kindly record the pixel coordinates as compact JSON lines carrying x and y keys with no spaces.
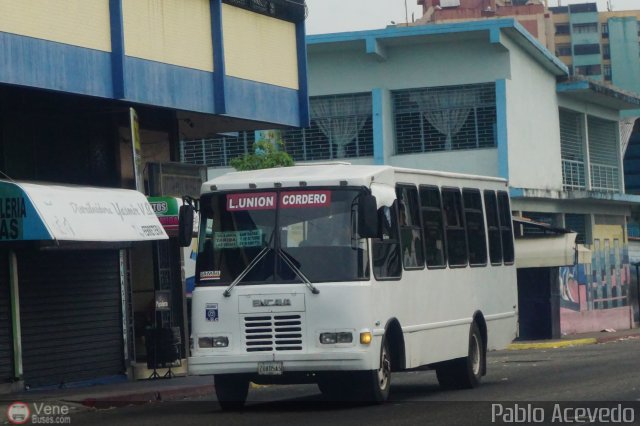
{"x":586,"y":49}
{"x":571,"y":148}
{"x":603,"y":154}
{"x":445,"y":118}
{"x":563,"y":50}
{"x":577,"y":223}
{"x":607,"y":72}
{"x":591,"y":27}
{"x":341,"y":127}
{"x":587,"y":69}
{"x":216,"y":152}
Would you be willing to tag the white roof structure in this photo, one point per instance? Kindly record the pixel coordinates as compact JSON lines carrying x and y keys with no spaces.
{"x":321,"y":174}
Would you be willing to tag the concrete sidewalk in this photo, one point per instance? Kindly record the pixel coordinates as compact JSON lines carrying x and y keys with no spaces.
{"x":145,"y":391}
{"x":116,"y":394}
{"x":577,"y":339}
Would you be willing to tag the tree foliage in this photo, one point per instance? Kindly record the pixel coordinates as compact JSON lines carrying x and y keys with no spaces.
{"x":265,"y":156}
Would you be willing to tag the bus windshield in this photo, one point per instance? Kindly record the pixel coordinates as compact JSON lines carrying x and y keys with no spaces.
{"x":280,"y":236}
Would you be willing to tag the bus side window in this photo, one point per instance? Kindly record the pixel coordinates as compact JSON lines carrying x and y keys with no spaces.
{"x":387,"y":263}
{"x":455,"y":228}
{"x":476,"y":236}
{"x":493,"y":225}
{"x":410,"y":229}
{"x":431,"y":208}
{"x":505,"y":226}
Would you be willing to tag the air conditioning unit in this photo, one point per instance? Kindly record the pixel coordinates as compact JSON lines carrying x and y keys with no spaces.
{"x":449,"y":3}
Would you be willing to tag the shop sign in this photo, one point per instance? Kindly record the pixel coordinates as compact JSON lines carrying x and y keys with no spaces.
{"x":36,"y":212}
{"x":166,"y":210}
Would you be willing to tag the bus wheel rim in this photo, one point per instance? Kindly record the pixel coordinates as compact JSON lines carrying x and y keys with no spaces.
{"x":475,"y":355}
{"x":385,"y":369}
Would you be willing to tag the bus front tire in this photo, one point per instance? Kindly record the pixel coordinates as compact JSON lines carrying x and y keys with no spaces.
{"x":376,"y":384}
{"x":231,"y":391}
{"x":361,"y":386}
{"x":464,"y":373}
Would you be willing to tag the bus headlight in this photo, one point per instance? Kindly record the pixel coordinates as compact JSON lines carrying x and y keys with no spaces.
{"x":213,"y":342}
{"x":334,"y":338}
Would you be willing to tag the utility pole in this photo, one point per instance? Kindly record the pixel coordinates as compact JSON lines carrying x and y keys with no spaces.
{"x":406,"y":13}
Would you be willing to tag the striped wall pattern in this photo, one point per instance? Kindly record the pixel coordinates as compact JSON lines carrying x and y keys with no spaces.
{"x":167,"y":53}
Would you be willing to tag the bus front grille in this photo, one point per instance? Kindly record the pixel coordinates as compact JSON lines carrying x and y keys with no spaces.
{"x":269,"y":333}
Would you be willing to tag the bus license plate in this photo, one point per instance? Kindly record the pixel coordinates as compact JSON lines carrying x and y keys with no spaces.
{"x":273,"y":368}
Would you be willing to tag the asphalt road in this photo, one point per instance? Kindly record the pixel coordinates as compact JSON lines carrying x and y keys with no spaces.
{"x":517,"y":384}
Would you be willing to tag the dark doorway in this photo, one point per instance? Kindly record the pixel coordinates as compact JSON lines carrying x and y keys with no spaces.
{"x":538,"y":303}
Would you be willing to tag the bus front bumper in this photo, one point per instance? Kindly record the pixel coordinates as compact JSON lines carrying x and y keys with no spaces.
{"x":299,"y":363}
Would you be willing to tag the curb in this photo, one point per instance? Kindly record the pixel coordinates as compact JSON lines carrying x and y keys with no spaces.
{"x":553,"y":344}
{"x":139,"y":398}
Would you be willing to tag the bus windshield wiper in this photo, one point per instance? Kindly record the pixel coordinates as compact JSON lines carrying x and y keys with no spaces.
{"x":248,"y":269}
{"x":288,"y":260}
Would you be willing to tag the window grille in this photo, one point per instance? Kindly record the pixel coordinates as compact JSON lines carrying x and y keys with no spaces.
{"x":216,"y":152}
{"x":577,"y":223}
{"x":606,"y":52}
{"x":563,"y":50}
{"x":603,"y":155}
{"x":587,"y":69}
{"x":571,"y":146}
{"x":586,"y":49}
{"x":562,"y":29}
{"x":341,"y":127}
{"x":585,"y":28}
{"x":445,"y":118}
{"x":531,"y":230}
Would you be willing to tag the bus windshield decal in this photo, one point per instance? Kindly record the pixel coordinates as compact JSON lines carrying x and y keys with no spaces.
{"x":238,"y":239}
{"x":255,"y":201}
{"x":305,"y":199}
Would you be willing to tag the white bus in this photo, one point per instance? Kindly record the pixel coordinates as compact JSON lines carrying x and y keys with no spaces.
{"x":340,"y":275}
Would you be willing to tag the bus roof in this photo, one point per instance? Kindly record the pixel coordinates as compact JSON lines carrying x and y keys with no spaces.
{"x":324,"y":174}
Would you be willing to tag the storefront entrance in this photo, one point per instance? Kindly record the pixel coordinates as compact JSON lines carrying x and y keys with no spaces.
{"x":71,"y":314}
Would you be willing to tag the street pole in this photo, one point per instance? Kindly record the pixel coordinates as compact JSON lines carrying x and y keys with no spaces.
{"x":406,"y":13}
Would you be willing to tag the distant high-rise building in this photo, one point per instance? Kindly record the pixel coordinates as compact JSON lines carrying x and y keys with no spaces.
{"x":599,"y":45}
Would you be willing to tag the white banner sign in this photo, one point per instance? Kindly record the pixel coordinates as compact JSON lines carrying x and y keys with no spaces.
{"x":74,"y":213}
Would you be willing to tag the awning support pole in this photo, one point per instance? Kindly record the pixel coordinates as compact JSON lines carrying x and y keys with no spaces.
{"x":15,"y":315}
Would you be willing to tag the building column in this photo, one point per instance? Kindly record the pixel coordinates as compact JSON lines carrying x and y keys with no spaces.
{"x":377,"y":98}
{"x":502,"y":135}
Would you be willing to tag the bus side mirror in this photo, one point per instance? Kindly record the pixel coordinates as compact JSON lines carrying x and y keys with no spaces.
{"x":185,"y":230}
{"x":367,"y":217}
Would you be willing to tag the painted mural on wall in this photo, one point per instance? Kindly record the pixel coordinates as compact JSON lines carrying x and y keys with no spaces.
{"x":604,"y":284}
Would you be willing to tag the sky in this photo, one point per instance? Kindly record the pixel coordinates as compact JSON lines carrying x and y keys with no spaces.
{"x":330,"y":16}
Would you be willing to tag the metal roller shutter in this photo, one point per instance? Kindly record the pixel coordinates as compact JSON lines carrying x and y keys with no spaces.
{"x":71,"y":316}
{"x":6,"y":341}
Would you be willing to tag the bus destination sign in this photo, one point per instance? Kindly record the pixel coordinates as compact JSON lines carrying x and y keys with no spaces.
{"x":288,"y":200}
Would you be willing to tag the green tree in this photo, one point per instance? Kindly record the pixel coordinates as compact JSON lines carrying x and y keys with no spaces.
{"x":265,"y":156}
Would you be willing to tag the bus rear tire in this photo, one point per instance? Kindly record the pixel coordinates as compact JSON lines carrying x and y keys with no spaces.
{"x":231,"y":391}
{"x":464,"y":373}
